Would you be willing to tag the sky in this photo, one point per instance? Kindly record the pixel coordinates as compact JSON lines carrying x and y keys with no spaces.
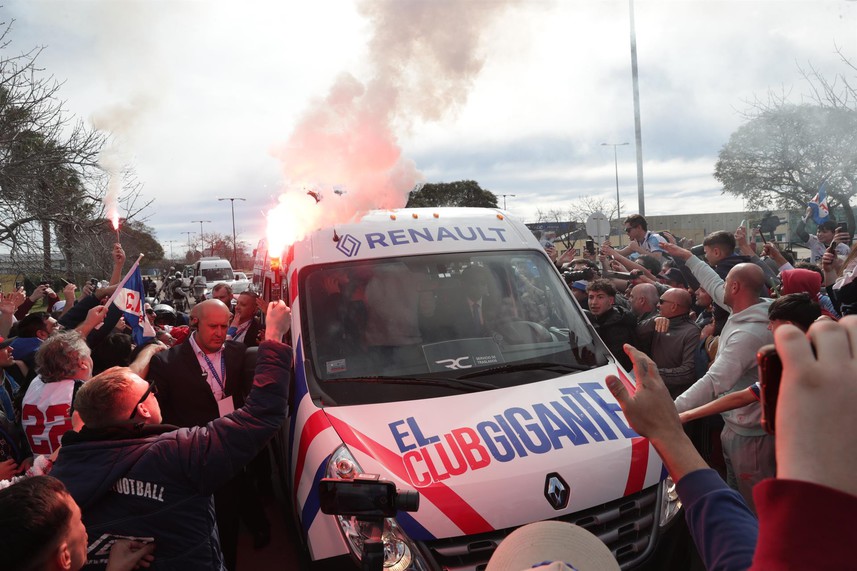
{"x":264,"y":99}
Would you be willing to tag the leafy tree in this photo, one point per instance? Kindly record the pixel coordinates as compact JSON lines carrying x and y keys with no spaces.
{"x":51,"y":187}
{"x":459,"y":193}
{"x":782,"y":155}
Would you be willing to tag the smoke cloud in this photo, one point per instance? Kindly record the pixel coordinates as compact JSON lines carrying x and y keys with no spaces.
{"x":423,"y":60}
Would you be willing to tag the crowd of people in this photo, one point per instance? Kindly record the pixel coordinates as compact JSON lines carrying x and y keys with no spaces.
{"x":121,"y":437}
{"x":696,"y":319}
{"x":132,"y":439}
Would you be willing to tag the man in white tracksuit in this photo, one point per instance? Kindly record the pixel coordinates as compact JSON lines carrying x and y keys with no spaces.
{"x":747,"y":448}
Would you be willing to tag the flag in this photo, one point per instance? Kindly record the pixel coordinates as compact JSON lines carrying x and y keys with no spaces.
{"x":129,"y":297}
{"x":818,"y":205}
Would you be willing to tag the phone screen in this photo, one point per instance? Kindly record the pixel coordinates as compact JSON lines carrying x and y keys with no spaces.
{"x":770,"y":373}
{"x":590,"y":246}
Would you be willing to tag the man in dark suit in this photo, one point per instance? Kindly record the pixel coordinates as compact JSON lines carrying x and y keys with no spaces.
{"x":201,"y":380}
{"x":474,"y":314}
{"x":245,"y":327}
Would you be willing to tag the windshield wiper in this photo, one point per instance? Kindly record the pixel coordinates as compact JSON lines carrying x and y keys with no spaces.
{"x":462,"y":385}
{"x":536,"y":366}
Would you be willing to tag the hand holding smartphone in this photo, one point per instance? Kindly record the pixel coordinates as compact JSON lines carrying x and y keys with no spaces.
{"x":770,"y":373}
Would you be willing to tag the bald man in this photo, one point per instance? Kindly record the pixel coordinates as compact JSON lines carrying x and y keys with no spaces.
{"x":674,"y":340}
{"x":644,"y":301}
{"x":201,"y":380}
{"x":747,"y":448}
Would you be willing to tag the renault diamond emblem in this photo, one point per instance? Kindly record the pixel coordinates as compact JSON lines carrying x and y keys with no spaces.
{"x":557,"y":491}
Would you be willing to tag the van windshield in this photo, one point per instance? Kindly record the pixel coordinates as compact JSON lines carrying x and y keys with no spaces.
{"x":495,"y":319}
{"x":217,"y":274}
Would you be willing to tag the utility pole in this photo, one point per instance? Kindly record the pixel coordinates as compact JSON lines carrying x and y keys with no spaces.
{"x":616,"y":165}
{"x":201,"y":235}
{"x":232,"y":200}
{"x":504,"y":199}
{"x":188,"y":239}
{"x":638,"y":130}
{"x":171,"y":248}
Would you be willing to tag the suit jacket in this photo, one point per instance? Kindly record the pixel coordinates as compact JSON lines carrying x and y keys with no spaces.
{"x":252,"y":335}
{"x":183,"y":391}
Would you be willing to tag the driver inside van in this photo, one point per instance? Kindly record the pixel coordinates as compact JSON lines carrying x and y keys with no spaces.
{"x":474,"y":311}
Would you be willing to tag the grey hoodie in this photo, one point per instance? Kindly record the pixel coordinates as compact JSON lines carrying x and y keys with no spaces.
{"x":735,"y":367}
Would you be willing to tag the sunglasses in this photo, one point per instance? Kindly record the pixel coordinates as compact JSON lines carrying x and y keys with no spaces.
{"x":152,"y":390}
{"x":150,"y":312}
{"x":667,"y":301}
{"x":628,"y":229}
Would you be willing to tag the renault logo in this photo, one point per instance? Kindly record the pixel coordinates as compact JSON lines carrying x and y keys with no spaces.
{"x":556,"y":491}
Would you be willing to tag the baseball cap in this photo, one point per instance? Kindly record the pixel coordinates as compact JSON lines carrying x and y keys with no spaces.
{"x":59,"y":306}
{"x":674,"y":275}
{"x":5,"y":342}
{"x":579,"y":284}
{"x":552,"y":545}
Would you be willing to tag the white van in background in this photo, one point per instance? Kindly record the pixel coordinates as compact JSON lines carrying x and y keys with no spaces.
{"x":208,"y":272}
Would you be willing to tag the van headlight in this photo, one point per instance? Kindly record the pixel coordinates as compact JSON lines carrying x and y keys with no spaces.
{"x":400,"y":554}
{"x":670,"y":502}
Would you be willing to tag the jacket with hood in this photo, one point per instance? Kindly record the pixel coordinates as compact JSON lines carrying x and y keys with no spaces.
{"x":156,"y":481}
{"x":807,"y":281}
{"x":735,"y":366}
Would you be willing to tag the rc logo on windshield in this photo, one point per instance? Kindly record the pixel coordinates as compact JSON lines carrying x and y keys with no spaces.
{"x":557,"y":491}
{"x":455,"y":364}
{"x":348,"y":245}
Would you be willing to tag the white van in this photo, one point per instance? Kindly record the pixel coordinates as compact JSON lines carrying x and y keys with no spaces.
{"x":498,"y":415}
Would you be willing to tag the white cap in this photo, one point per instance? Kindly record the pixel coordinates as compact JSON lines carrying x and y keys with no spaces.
{"x":59,"y":306}
{"x":556,"y":545}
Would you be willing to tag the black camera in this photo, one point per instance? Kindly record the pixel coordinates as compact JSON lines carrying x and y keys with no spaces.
{"x":365,"y":497}
{"x":577,"y":275}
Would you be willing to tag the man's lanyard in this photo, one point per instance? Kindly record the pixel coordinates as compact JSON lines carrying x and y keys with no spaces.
{"x":213,"y":372}
{"x":241,"y":330}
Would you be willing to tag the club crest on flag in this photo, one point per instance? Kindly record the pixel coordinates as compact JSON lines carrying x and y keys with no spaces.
{"x":819,"y":206}
{"x":129,"y":299}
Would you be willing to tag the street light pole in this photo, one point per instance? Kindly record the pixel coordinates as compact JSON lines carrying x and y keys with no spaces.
{"x":201,"y":235}
{"x":616,"y":166}
{"x":171,"y":248}
{"x":504,"y":199}
{"x":188,"y":239}
{"x":232,"y":200}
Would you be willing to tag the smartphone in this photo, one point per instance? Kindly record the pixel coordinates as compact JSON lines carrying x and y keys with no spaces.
{"x":770,"y":372}
{"x":590,"y":246}
{"x":762,"y":234}
{"x":362,"y":498}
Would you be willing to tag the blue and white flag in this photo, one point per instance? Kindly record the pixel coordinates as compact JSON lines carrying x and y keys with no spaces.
{"x":818,"y":205}
{"x":130,"y":297}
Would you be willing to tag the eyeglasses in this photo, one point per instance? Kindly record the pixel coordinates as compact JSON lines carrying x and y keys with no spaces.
{"x":152,"y":390}
{"x":662,"y":300}
{"x":628,"y":229}
{"x":150,"y":312}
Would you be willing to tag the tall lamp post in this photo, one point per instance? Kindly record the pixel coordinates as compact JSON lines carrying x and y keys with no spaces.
{"x":201,"y":235}
{"x":170,"y":242}
{"x":188,"y":239}
{"x":616,"y":166}
{"x":504,"y":199}
{"x":232,"y":200}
